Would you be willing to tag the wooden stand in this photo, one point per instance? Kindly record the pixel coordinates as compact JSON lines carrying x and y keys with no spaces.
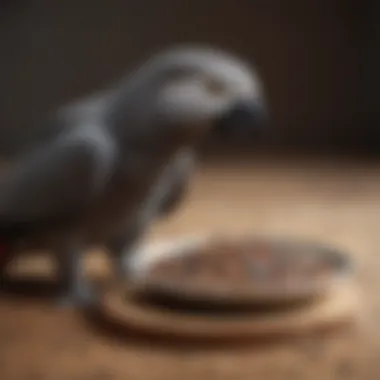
{"x":333,"y":310}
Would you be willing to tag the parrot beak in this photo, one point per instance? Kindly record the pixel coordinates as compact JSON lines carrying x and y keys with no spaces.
{"x":246,"y":119}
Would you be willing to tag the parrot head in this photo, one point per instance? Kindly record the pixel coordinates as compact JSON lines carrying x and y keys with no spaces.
{"x":205,"y":90}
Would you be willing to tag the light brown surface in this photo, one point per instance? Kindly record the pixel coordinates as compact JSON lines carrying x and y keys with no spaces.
{"x":338,"y":204}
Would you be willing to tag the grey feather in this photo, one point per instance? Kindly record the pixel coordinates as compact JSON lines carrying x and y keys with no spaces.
{"x":106,"y":167}
{"x":59,"y":179}
{"x":177,"y":183}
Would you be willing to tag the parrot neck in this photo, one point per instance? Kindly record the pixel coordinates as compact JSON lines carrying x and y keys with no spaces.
{"x":132,"y":127}
{"x":130,"y":115}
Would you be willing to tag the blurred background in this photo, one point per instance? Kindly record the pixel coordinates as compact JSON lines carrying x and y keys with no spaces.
{"x":319,"y":61}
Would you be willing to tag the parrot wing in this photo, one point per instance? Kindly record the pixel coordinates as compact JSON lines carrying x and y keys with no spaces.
{"x":57,"y":181}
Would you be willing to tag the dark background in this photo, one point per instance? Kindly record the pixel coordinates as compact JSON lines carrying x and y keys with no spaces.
{"x":319,"y":59}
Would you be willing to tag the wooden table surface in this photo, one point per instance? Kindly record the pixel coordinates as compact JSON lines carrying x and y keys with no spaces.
{"x":337,"y":203}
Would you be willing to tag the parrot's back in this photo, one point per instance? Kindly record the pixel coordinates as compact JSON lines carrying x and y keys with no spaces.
{"x":16,"y":142}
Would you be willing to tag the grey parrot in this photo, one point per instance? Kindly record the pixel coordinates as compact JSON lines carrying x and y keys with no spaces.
{"x":105,"y":167}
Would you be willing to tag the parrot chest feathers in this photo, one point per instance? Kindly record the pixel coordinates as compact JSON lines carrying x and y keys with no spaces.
{"x":121,"y":202}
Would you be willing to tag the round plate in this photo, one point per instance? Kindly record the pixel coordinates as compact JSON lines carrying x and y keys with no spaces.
{"x":124,"y":311}
{"x":268,"y":293}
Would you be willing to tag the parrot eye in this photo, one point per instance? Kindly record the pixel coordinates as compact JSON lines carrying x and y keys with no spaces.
{"x":214,"y":87}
